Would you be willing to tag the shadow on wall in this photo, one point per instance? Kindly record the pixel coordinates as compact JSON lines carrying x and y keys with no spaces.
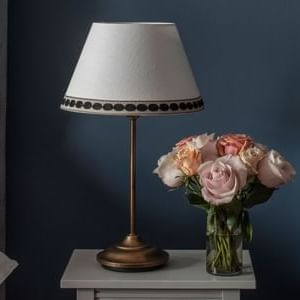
{"x":67,"y":173}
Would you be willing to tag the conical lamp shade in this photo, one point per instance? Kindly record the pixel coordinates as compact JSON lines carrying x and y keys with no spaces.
{"x":133,"y":69}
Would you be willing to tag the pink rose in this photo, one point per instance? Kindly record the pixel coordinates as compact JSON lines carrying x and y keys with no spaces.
{"x":222,"y":179}
{"x":168,"y":171}
{"x":274,"y":170}
{"x":233,"y":143}
{"x":209,"y":151}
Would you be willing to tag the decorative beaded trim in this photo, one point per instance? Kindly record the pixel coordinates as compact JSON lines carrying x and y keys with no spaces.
{"x":92,"y":105}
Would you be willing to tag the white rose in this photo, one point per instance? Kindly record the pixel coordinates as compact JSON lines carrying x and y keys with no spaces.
{"x":274,"y":170}
{"x":168,"y":171}
{"x":207,"y":146}
{"x":201,"y":140}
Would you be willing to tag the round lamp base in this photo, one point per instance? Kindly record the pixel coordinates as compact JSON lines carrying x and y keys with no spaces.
{"x":132,"y":255}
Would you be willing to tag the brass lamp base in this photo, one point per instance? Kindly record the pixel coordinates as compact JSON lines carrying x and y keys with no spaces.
{"x":132,"y":255}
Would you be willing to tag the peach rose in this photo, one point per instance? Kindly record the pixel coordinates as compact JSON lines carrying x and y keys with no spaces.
{"x":274,"y":170}
{"x":233,"y":144}
{"x":203,"y":142}
{"x":222,"y":179}
{"x":188,"y":159}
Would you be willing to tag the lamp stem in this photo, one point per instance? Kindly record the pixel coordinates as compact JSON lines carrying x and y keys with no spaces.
{"x":132,"y":174}
{"x":132,"y":254}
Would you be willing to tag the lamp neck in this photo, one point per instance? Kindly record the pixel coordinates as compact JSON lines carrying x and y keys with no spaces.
{"x":132,"y":174}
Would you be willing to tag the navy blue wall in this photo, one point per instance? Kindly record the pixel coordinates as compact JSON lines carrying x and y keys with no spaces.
{"x":67,"y":173}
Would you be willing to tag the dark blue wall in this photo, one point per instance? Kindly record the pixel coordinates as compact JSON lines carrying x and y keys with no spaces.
{"x":67,"y":173}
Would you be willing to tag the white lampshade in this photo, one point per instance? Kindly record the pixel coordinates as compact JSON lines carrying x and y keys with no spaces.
{"x":133,"y":69}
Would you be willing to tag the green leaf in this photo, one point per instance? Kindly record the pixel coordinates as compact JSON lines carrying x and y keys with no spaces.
{"x":234,"y":207}
{"x":193,"y":193}
{"x":255,"y":193}
{"x":197,"y":200}
{"x":192,"y":184}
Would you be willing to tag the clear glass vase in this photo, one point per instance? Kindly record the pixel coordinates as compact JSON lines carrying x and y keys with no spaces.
{"x":224,"y":251}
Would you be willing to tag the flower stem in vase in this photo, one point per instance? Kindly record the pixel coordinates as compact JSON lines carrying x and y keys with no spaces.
{"x":224,"y":250}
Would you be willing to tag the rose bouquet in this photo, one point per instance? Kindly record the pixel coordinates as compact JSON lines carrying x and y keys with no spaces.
{"x":225,"y":176}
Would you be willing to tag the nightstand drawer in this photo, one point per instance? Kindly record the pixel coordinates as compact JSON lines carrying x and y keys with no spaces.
{"x":138,"y":294}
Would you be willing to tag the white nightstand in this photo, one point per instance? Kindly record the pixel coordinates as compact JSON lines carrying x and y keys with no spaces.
{"x":184,"y":278}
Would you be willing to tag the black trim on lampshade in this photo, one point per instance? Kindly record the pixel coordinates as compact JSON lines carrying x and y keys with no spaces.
{"x":142,"y":107}
{"x":97,"y":106}
{"x":174,"y":106}
{"x":153,"y":107}
{"x":79,"y":104}
{"x":164,"y":107}
{"x":108,"y":106}
{"x":130,"y":107}
{"x":118,"y":107}
{"x":89,"y":105}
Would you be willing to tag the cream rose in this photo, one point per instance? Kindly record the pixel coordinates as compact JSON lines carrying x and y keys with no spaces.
{"x":168,"y":171}
{"x":191,"y":151}
{"x":274,"y":170}
{"x":252,"y":156}
{"x":222,"y":179}
{"x":201,"y":140}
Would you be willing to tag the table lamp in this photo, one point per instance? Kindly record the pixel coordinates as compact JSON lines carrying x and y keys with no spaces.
{"x":132,"y":70}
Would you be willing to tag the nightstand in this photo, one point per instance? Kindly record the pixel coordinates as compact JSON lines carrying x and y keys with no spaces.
{"x":184,"y":278}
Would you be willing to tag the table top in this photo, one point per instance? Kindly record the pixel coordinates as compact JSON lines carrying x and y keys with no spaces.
{"x":185,"y":270}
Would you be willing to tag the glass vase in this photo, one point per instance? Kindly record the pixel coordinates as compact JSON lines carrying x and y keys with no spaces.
{"x":224,"y":251}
